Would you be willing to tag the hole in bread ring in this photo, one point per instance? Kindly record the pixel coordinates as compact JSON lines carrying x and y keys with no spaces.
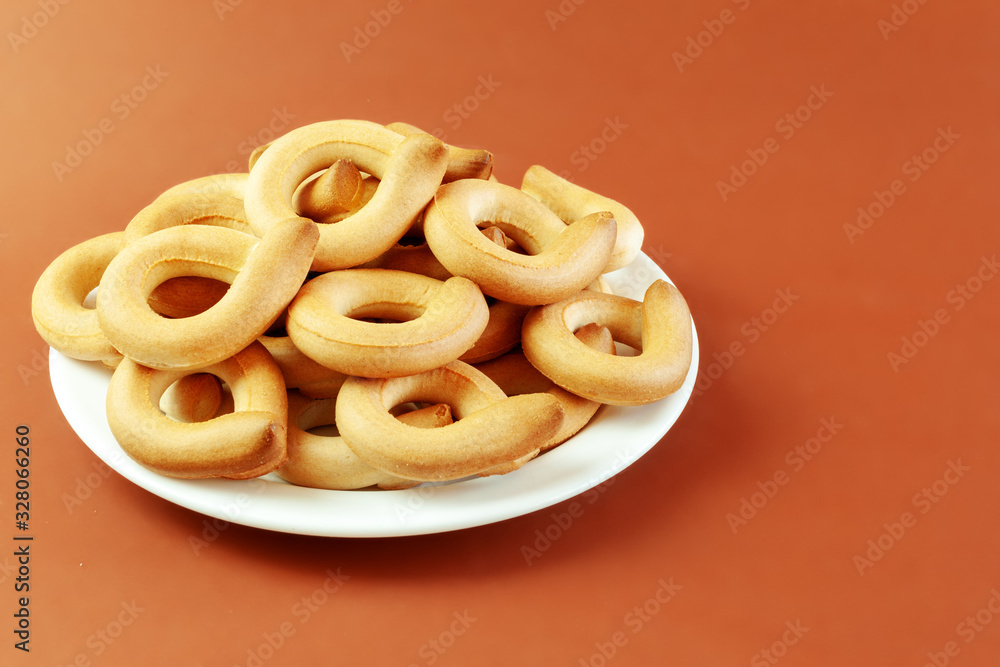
{"x":564,"y":260}
{"x":185,"y":296}
{"x":58,"y":302}
{"x":265,"y":275}
{"x":409,"y":170}
{"x":491,"y":430}
{"x":246,"y":443}
{"x":659,"y":327}
{"x":444,"y":320}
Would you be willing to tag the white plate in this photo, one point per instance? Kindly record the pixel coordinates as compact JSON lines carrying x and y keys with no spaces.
{"x":614,"y":439}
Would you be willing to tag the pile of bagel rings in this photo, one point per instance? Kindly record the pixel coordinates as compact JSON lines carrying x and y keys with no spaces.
{"x":373,"y":279}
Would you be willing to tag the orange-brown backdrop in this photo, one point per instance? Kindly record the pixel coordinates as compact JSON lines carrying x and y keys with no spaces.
{"x":746,"y":135}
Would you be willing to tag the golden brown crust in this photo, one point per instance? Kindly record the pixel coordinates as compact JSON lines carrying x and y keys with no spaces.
{"x":572,"y":202}
{"x":439,"y":321}
{"x":562,"y":259}
{"x":265,"y":276}
{"x":515,"y":375}
{"x":57,"y":300}
{"x":462,"y":162}
{"x":250,"y":442}
{"x":659,"y":327}
{"x":409,"y":168}
{"x":491,"y":429}
{"x":326,"y":462}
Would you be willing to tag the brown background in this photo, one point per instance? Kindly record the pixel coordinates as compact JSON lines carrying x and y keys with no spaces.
{"x":226,"y":75}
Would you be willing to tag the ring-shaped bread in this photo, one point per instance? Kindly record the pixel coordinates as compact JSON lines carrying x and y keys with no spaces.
{"x":490,"y":429}
{"x":185,"y":296}
{"x":436,"y":323}
{"x":248,"y":442}
{"x":562,"y":259}
{"x":409,"y":168}
{"x":264,"y":275}
{"x":659,"y":328}
{"x":57,"y":301}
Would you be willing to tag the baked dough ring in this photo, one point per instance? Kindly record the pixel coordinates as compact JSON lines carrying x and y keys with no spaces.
{"x":659,"y":327}
{"x":462,"y":162}
{"x":515,"y":375}
{"x":326,"y":462}
{"x":57,"y":300}
{"x":572,"y":202}
{"x":439,"y":321}
{"x":409,"y":168}
{"x":503,"y":329}
{"x":265,"y":274}
{"x":185,"y":296}
{"x":491,"y":429}
{"x":564,"y":259}
{"x":250,"y":442}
